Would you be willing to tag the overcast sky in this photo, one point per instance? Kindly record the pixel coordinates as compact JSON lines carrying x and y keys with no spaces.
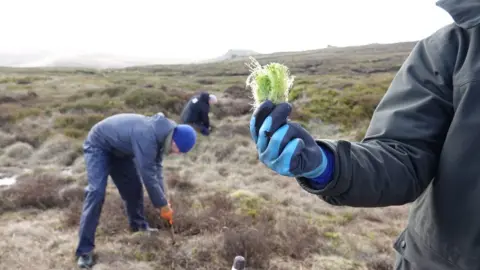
{"x":194,"y":29}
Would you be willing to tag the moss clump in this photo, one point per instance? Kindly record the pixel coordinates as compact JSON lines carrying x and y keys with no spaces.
{"x":272,"y":82}
{"x":249,"y":203}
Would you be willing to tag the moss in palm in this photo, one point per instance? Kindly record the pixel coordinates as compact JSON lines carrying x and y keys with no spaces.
{"x":272,"y":81}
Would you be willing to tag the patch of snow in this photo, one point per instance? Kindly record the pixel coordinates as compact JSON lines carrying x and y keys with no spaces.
{"x":7,"y":181}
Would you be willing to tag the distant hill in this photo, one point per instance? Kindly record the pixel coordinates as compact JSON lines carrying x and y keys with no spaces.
{"x":369,"y":59}
{"x":230,"y":55}
{"x":100,"y":61}
{"x":105,"y":61}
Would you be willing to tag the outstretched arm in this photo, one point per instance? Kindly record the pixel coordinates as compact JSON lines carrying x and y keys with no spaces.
{"x":399,"y":156}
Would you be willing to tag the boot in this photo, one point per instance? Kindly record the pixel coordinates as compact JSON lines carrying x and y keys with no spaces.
{"x":85,"y":260}
{"x":148,"y":230}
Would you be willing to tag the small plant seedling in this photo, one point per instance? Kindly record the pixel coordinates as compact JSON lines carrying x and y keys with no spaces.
{"x":272,"y":81}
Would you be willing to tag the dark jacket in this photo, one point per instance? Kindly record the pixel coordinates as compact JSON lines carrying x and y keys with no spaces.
{"x":196,"y":111}
{"x":423,"y":146}
{"x":141,"y":137}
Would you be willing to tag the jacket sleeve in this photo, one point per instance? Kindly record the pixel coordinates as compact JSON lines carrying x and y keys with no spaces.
{"x":399,"y":156}
{"x":160,"y":179}
{"x":145,"y":150}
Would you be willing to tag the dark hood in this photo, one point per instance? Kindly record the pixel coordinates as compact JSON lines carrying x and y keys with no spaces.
{"x":465,"y":13}
{"x":204,"y":97}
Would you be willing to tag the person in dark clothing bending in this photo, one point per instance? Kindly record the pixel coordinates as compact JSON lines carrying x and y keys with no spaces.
{"x":420,"y":147}
{"x":196,"y":112}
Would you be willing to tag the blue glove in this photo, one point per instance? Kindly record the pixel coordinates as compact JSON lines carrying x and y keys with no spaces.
{"x":286,"y":147}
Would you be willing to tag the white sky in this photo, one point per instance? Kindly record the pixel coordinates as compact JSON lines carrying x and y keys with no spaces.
{"x":207,"y":28}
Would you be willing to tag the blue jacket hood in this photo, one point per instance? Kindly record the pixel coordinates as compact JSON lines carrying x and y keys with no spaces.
{"x":163,"y":129}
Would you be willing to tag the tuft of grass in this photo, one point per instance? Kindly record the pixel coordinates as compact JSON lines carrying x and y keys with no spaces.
{"x":13,"y":113}
{"x":181,"y":184}
{"x":22,"y":80}
{"x":90,"y":105}
{"x":58,"y":150}
{"x":231,"y":107}
{"x":6,"y":139}
{"x":156,"y":100}
{"x":252,"y":243}
{"x":114,"y":91}
{"x":272,"y":82}
{"x":77,"y":126}
{"x":249,"y":203}
{"x":19,"y":151}
{"x":39,"y":189}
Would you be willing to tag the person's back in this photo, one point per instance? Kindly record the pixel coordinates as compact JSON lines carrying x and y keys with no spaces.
{"x":195,"y":112}
{"x":195,"y":108}
{"x":115,"y":133}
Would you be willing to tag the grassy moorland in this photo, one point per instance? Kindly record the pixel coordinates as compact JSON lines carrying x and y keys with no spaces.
{"x":226,"y":203}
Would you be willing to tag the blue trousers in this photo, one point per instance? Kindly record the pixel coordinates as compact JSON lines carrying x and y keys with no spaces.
{"x":99,"y":165}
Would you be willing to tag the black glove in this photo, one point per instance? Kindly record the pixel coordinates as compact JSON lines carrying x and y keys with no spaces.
{"x":205,"y":131}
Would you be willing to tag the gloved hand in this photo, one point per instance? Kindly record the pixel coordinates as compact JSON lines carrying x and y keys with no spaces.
{"x":205,"y":131}
{"x":284,"y":146}
{"x":166,"y":213}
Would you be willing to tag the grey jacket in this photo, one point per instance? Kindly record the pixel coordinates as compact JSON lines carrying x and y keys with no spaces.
{"x":423,"y":146}
{"x":145,"y":139}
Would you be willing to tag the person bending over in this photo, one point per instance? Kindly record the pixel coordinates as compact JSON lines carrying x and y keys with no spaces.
{"x":130,"y":148}
{"x":195,"y":112}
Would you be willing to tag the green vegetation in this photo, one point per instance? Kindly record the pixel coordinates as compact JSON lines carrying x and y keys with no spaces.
{"x":347,"y":106}
{"x":226,"y":202}
{"x":272,"y":82}
{"x":77,"y":125}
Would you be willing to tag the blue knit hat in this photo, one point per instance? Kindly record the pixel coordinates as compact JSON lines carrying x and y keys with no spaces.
{"x":184,"y":137}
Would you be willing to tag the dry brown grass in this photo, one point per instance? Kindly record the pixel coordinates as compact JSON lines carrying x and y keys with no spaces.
{"x":211,"y":228}
{"x":39,"y":189}
{"x":226,"y":202}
